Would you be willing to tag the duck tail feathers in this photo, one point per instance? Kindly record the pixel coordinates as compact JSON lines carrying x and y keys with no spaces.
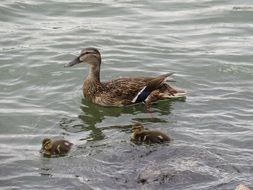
{"x":152,"y":85}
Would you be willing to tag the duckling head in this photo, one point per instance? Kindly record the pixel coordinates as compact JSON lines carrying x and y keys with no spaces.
{"x":137,"y":127}
{"x":46,"y":144}
{"x":90,"y":56}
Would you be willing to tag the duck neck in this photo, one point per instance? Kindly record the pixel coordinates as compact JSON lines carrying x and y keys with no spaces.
{"x":94,"y":73}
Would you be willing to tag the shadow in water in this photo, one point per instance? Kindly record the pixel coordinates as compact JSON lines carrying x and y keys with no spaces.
{"x":93,"y":114}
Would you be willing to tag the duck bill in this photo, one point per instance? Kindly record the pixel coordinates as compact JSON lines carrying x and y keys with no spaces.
{"x":74,"y":62}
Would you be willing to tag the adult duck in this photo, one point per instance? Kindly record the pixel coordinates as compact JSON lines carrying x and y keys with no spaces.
{"x":123,"y":91}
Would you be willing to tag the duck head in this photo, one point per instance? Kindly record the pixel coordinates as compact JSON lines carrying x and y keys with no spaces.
{"x":46,"y":144}
{"x":137,"y":128}
{"x":90,"y":56}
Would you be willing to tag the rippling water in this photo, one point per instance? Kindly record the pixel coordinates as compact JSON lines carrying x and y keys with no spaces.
{"x":208,"y":44}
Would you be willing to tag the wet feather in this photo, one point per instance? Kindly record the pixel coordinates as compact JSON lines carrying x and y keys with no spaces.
{"x":123,"y":91}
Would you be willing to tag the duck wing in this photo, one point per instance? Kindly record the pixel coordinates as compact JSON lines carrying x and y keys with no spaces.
{"x":133,"y":90}
{"x":155,"y":137}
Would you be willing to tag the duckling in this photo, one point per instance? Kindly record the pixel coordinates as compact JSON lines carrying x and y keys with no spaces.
{"x":56,"y":147}
{"x":148,"y":136}
{"x":123,"y":91}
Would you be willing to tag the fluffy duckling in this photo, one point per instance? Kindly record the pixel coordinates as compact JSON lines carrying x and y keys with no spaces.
{"x":123,"y":91}
{"x":148,"y":136}
{"x":56,"y":147}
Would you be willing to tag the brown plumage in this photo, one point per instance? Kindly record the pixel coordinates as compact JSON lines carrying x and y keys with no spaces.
{"x":148,"y":136}
{"x":55,"y":148}
{"x":123,"y":91}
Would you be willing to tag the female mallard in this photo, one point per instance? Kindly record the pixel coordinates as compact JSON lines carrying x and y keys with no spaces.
{"x":123,"y":91}
{"x":148,"y":136}
{"x":55,"y":148}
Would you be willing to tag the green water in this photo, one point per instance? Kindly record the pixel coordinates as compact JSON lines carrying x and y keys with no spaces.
{"x":208,"y":44}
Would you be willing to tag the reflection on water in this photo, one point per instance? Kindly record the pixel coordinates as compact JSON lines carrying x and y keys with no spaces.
{"x":98,"y":113}
{"x":94,"y":114}
{"x":208,"y":44}
{"x":46,"y":172}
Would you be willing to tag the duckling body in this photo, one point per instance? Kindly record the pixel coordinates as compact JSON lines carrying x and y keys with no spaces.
{"x":148,"y":136}
{"x":56,"y":147}
{"x":123,"y":91}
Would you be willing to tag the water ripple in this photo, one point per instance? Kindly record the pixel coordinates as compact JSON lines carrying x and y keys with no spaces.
{"x":207,"y":44}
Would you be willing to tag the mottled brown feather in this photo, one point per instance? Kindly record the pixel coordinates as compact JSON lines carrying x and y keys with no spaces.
{"x":55,"y":147}
{"x":119,"y":92}
{"x":148,"y":136}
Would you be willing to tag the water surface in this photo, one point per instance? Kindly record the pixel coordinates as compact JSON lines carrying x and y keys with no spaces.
{"x":207,"y":43}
